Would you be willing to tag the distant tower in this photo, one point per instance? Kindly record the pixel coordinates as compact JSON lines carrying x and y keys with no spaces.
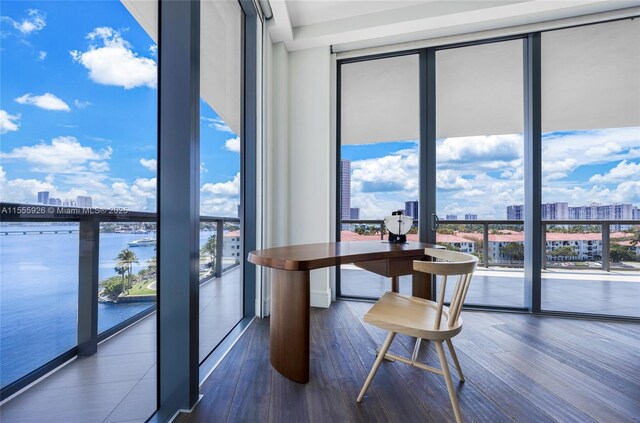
{"x":84,"y":201}
{"x":345,"y":189}
{"x":43,"y":197}
{"x":515,"y":212}
{"x":411,"y":209}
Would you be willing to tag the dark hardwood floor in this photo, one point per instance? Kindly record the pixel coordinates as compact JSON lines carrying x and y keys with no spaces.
{"x":518,"y":368}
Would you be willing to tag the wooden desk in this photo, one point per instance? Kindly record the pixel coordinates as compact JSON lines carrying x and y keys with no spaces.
{"x":290,"y":266}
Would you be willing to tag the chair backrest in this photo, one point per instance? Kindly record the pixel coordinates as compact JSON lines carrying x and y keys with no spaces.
{"x":449,"y":263}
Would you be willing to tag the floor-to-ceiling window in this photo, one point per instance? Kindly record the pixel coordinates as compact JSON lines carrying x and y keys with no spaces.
{"x":78,"y":120}
{"x":378,"y":170}
{"x":590,"y":140}
{"x":591,"y":168}
{"x":221,"y":56}
{"x":479,"y":164}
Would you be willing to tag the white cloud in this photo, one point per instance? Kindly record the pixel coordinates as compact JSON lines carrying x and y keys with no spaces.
{"x":624,"y":171}
{"x":140,"y":195}
{"x":46,"y":101}
{"x":233,"y":144}
{"x":227,"y":189}
{"x":42,"y":55}
{"x":558,"y":169}
{"x":21,"y":190}
{"x":33,"y":22}
{"x":606,"y":149}
{"x":81,"y":104}
{"x":150,"y":164}
{"x":493,"y":148}
{"x":99,"y":167}
{"x":113,"y":62}
{"x":65,"y":155}
{"x":220,"y":199}
{"x":218,"y":124}
{"x":8,"y":123}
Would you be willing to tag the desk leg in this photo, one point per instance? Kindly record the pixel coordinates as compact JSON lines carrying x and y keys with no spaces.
{"x":289,"y":326}
{"x":395,"y":283}
{"x":421,"y":285}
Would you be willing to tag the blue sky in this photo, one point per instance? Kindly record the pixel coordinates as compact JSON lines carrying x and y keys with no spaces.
{"x":78,"y":109}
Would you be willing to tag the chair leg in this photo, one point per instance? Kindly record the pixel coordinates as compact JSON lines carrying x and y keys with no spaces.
{"x":455,"y":359}
{"x":376,"y":364}
{"x":449,"y":382}
{"x":416,"y":349}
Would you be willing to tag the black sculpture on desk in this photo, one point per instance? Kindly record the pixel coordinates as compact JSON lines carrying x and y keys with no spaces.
{"x":398,"y":226}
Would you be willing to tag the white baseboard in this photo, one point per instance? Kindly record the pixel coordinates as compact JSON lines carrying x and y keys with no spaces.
{"x":321,"y":299}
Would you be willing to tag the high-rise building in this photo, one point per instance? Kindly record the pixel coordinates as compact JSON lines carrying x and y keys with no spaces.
{"x":411,"y":209}
{"x":596,"y":211}
{"x":55,"y":201}
{"x":555,"y":211}
{"x":636,"y":213}
{"x":84,"y":201}
{"x":451,"y":217}
{"x":354,"y":213}
{"x":562,"y":211}
{"x":470,"y":216}
{"x":43,"y":197}
{"x":345,"y":189}
{"x":69,"y":203}
{"x":515,"y":212}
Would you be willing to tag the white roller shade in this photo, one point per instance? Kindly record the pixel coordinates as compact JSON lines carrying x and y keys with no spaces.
{"x":221,"y":58}
{"x":220,"y":47}
{"x":146,"y":13}
{"x":479,"y":90}
{"x":380,"y":100}
{"x":591,"y":77}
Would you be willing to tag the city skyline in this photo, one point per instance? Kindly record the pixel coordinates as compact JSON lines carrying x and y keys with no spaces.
{"x":593,"y":211}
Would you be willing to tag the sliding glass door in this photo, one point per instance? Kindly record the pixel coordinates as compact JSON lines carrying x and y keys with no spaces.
{"x":471,"y":117}
{"x":479,"y":165}
{"x":591,"y":168}
{"x":378,"y":168}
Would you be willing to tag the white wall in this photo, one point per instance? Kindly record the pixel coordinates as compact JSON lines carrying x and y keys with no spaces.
{"x":310,"y":164}
{"x":299,"y":155}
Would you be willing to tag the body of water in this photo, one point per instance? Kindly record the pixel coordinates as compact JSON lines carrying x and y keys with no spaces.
{"x":39,"y":293}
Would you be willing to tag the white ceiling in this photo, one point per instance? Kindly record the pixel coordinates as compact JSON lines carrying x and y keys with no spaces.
{"x":351,"y":24}
{"x":310,"y":12}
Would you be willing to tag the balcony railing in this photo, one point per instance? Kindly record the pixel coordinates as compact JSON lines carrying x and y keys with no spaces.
{"x":89,"y":222}
{"x":488,"y":256}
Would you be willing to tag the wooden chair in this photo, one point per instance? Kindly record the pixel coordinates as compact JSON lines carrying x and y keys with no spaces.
{"x":426,"y":319}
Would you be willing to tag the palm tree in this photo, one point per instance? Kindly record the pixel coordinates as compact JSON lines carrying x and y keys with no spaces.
{"x":121,"y":271}
{"x":636,"y":238}
{"x":210,"y":248}
{"x":125,"y":259}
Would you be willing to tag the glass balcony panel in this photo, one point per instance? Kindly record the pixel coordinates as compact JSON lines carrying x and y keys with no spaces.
{"x":38,"y":295}
{"x":624,"y":250}
{"x":127,"y":272}
{"x":575,"y":279}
